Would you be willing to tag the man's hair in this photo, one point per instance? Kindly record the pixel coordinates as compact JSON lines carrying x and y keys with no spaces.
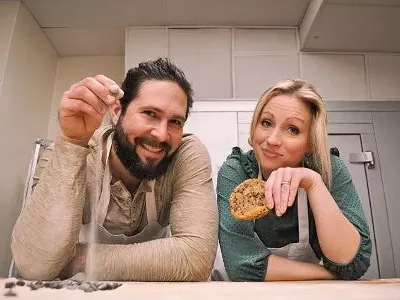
{"x":161,"y":69}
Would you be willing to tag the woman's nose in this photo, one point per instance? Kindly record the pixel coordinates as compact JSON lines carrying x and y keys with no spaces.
{"x":274,"y":138}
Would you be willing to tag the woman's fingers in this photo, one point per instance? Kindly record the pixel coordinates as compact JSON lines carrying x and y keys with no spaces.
{"x":281,"y":189}
{"x":294,"y":186}
{"x":285,"y":184}
{"x":276,"y":191}
{"x":268,"y":191}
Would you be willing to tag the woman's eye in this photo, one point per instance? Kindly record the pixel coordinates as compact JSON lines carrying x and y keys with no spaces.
{"x":266,"y":123}
{"x":293,"y":130}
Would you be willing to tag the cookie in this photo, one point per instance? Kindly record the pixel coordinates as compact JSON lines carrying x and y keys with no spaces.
{"x":247,"y":201}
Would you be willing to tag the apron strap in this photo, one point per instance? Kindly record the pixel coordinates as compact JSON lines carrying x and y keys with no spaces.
{"x":151,"y":209}
{"x":302,"y":216}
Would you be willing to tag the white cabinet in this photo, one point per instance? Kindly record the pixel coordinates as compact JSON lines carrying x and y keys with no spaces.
{"x":205,"y":57}
{"x":217,"y":131}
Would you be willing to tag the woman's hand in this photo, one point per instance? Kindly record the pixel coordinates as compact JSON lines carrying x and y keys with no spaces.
{"x":283,"y":183}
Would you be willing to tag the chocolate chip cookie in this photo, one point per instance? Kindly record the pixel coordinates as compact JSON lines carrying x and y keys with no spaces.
{"x":247,"y":201}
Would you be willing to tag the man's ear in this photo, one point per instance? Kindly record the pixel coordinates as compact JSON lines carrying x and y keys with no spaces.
{"x":115,"y":111}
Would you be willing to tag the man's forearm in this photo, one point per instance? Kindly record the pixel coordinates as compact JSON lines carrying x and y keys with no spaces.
{"x":45,"y":234}
{"x":169,"y":259}
{"x":280,"y":269}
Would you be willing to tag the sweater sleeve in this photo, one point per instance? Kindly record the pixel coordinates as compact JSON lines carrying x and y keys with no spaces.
{"x":45,"y":234}
{"x":346,"y":197}
{"x":245,"y":257}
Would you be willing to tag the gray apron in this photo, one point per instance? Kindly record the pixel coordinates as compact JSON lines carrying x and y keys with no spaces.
{"x":153,"y":230}
{"x":300,"y":251}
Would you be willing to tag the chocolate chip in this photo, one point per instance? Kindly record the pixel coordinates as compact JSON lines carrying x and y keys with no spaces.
{"x":33,"y":286}
{"x":10,"y":293}
{"x":9,"y":284}
{"x":20,"y":282}
{"x":116,"y":285}
{"x":71,"y":287}
{"x":56,"y":285}
{"x":86,"y":287}
{"x":103,"y":286}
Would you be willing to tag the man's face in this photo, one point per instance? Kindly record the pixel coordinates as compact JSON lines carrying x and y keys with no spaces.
{"x":150,"y":131}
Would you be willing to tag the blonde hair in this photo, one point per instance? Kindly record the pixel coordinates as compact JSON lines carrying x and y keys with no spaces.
{"x":318,"y":143}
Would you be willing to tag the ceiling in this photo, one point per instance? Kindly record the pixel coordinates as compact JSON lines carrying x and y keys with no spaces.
{"x":355,"y":25}
{"x":97,"y":27}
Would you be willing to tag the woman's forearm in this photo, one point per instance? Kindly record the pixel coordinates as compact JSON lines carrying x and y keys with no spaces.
{"x":338,"y":238}
{"x":280,"y":269}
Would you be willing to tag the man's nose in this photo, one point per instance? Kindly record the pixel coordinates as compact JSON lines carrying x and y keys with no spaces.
{"x":160,"y":131}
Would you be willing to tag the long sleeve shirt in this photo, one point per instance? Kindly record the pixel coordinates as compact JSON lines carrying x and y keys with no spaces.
{"x":244,"y":244}
{"x":68,"y":176}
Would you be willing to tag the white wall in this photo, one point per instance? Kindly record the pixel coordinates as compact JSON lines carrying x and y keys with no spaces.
{"x":73,"y":69}
{"x":25,"y":97}
{"x":8,"y":14}
{"x":234,"y":63}
{"x":230,"y":68}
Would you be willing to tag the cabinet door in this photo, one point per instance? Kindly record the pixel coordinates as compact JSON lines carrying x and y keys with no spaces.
{"x":217,"y":131}
{"x":351,"y":143}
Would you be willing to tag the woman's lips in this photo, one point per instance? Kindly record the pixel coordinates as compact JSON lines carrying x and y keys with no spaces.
{"x":270,"y":153}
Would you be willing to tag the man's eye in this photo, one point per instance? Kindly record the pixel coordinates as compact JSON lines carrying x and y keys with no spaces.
{"x":176,"y":122}
{"x":149,"y":113}
{"x":266,"y":123}
{"x":293,"y":130}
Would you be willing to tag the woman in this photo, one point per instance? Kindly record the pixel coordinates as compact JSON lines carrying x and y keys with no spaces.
{"x":325,"y":237}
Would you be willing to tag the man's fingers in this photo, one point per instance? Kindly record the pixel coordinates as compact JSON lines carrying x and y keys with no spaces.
{"x":78,"y":105}
{"x":111,"y":86}
{"x":97,"y":88}
{"x":85,"y":94}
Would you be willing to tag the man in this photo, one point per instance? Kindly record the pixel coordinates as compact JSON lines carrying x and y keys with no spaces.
{"x":141,"y":188}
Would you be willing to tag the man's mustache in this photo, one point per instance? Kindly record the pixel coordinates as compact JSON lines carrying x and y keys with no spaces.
{"x":153,"y":143}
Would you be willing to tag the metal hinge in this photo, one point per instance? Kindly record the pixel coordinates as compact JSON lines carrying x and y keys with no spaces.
{"x":363,"y":157}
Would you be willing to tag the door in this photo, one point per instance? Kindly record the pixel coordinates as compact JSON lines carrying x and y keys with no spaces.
{"x":352,"y":143}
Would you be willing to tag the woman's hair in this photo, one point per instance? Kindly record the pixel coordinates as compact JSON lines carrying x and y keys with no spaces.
{"x":318,"y":143}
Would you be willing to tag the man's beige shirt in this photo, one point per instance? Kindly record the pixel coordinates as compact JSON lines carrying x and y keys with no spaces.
{"x":68,"y":177}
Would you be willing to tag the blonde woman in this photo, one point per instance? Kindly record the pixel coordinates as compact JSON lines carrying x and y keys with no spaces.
{"x":317,"y":228}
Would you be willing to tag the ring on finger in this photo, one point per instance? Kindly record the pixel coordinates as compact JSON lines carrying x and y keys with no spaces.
{"x":285,"y":182}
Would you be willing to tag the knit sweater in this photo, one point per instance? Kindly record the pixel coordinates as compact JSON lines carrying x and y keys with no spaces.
{"x":68,"y":176}
{"x":244,"y":244}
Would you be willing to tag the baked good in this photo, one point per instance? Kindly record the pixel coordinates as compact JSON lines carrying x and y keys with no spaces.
{"x":247,"y":201}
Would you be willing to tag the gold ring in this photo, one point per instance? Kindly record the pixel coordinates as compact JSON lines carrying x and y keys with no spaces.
{"x":285,"y":182}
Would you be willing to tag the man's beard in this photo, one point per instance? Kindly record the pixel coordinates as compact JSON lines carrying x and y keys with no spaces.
{"x":127,"y":154}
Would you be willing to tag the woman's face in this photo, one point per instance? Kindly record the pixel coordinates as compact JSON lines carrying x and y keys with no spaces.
{"x":281,"y":136}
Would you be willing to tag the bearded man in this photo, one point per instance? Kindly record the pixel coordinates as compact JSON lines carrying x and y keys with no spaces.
{"x":141,"y":188}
